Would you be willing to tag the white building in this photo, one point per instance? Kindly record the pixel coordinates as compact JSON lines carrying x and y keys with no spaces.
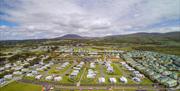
{"x":92,"y":65}
{"x":112,"y":80}
{"x":34,"y":72}
{"x":57,"y":78}
{"x":2,"y":69}
{"x":101,"y":80}
{"x":64,"y":64}
{"x":110,"y":69}
{"x":136,"y":79}
{"x":17,"y":73}
{"x":30,"y":75}
{"x":49,"y":78}
{"x":7,"y":65}
{"x":24,"y":70}
{"x":139,"y":75}
{"x":123,"y":79}
{"x":8,"y":76}
{"x":91,"y":74}
{"x":38,"y":77}
{"x":74,"y":73}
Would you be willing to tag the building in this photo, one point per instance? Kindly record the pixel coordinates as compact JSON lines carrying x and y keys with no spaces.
{"x":91,"y":74}
{"x":38,"y":77}
{"x":17,"y":73}
{"x":136,"y":79}
{"x":92,"y":65}
{"x":34,"y":72}
{"x":2,"y":81}
{"x":101,"y":80}
{"x":30,"y":75}
{"x":8,"y":76}
{"x":74,"y":73}
{"x":57,"y":78}
{"x":49,"y":78}
{"x":112,"y":80}
{"x":171,"y":83}
{"x":123,"y":79}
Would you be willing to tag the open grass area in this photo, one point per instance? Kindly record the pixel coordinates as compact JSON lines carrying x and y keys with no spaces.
{"x":53,"y":69}
{"x":18,"y":86}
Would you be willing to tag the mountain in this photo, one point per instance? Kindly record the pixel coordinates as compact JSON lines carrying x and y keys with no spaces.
{"x":140,"y":38}
{"x":70,"y":36}
{"x":143,"y":38}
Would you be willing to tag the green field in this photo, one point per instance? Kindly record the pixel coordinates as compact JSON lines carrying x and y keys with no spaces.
{"x":18,"y":86}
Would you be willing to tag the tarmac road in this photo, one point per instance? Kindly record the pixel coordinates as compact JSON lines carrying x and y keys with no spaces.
{"x":116,"y":87}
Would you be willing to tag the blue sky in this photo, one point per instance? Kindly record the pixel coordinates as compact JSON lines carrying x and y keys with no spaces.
{"x":7,"y":23}
{"x":32,"y":19}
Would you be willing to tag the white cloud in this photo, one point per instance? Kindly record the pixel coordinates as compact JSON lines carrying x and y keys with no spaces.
{"x":165,"y":29}
{"x":49,"y":18}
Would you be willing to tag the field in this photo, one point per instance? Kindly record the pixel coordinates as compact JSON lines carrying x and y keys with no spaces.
{"x":18,"y":86}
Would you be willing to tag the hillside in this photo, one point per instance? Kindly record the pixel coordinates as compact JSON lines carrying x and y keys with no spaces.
{"x":144,"y":38}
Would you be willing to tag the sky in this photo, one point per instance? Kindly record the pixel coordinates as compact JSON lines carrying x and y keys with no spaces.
{"x":36,"y":19}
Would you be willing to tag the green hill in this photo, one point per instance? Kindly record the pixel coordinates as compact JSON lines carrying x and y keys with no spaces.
{"x":144,"y":38}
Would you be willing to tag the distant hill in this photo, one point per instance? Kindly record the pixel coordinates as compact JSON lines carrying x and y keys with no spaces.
{"x":144,"y":37}
{"x":70,"y":36}
{"x":140,"y":38}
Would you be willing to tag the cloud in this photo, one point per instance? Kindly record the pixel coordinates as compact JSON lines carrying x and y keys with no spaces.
{"x":51,"y":18}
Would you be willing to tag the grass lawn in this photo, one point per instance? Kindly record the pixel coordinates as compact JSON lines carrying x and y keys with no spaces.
{"x":54,"y":71}
{"x":65,"y":78}
{"x":18,"y":86}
